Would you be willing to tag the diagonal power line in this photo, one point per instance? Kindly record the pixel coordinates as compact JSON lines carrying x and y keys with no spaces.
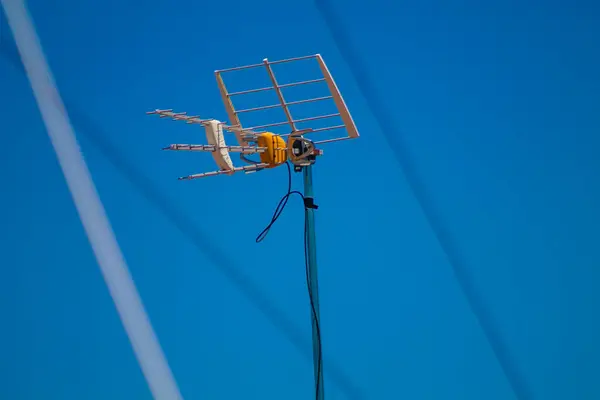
{"x":112,"y":264}
{"x":393,"y":135}
{"x":203,"y":241}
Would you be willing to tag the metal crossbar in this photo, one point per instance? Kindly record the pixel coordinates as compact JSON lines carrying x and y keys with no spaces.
{"x":295,"y":121}
{"x":269,"y":62}
{"x":285,"y":85}
{"x":284,"y":104}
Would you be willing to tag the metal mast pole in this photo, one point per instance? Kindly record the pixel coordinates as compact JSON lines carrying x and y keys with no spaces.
{"x":313,"y":286}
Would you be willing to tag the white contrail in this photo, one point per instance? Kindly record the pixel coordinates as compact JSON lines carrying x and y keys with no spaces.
{"x":91,"y":212}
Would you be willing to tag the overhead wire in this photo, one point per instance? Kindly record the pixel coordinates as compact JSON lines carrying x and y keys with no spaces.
{"x":115,"y":271}
{"x":202,"y":240}
{"x":263,"y":234}
{"x":386,"y":121}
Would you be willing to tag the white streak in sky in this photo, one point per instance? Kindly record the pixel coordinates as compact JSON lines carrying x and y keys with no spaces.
{"x":91,"y":212}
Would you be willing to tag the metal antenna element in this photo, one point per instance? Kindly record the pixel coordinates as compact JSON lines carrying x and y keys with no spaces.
{"x":275,"y":150}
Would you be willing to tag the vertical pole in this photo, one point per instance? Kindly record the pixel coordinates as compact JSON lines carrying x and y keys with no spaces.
{"x":313,"y":285}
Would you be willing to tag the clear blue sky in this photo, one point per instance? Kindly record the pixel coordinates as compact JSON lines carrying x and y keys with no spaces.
{"x":479,"y":154}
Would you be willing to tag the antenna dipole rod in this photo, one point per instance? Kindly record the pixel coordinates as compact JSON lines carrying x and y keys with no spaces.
{"x":292,"y":59}
{"x":333,"y":140}
{"x":301,"y":82}
{"x":272,"y":63}
{"x":264,"y":89}
{"x":258,"y":108}
{"x":238,"y":68}
{"x":296,"y":120}
{"x":285,"y":85}
{"x":327,"y":128}
{"x":284,"y":105}
{"x":212,"y":148}
{"x":309,"y":100}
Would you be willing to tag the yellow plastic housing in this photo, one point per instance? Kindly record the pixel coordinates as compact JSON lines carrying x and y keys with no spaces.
{"x":275,"y":153}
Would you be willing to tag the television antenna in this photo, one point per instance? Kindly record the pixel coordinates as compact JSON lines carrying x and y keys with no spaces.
{"x":275,"y":150}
